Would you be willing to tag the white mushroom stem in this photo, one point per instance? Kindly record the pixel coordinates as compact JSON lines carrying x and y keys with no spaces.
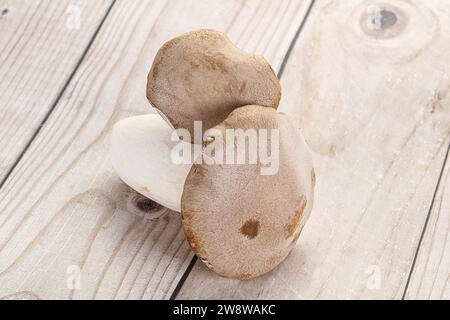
{"x":141,"y":154}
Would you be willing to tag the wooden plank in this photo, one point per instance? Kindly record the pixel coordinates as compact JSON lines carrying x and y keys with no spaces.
{"x":370,"y":86}
{"x":63,"y":212}
{"x":41,"y":44}
{"x":431,"y":275}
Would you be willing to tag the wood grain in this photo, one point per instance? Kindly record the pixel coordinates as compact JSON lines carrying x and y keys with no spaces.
{"x":68,"y":227}
{"x":370,"y":86}
{"x":41,"y":43}
{"x":431,"y":275}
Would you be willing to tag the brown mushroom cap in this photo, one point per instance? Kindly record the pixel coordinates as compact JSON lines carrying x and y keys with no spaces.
{"x":202,"y":75}
{"x":240,"y":223}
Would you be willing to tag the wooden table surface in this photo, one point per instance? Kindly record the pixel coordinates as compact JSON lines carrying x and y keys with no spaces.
{"x":370,"y":84}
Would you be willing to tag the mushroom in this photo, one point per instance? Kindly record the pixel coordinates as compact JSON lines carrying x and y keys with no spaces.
{"x":203,"y":76}
{"x":240,"y":223}
{"x":141,"y":154}
{"x":241,"y":219}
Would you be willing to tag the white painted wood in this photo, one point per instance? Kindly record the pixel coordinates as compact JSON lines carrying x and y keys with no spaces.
{"x":41,"y":42}
{"x":63,"y":209}
{"x":371,"y":91}
{"x":431,"y":274}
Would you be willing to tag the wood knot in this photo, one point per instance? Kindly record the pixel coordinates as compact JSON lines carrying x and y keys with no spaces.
{"x":145,"y":204}
{"x":4,"y":12}
{"x":383,"y":21}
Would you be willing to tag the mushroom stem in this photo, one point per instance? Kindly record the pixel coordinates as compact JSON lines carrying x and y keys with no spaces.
{"x":142,"y":155}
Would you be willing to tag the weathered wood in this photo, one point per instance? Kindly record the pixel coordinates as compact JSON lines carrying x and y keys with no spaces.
{"x":370,"y":86}
{"x":431,"y":275}
{"x":40,"y":45}
{"x":63,"y":211}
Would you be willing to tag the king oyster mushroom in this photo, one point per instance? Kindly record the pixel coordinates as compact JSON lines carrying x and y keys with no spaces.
{"x":203,"y":76}
{"x":241,"y":223}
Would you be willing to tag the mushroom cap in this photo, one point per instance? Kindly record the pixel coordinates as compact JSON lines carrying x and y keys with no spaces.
{"x":240,"y":223}
{"x":141,"y":153}
{"x":203,"y":76}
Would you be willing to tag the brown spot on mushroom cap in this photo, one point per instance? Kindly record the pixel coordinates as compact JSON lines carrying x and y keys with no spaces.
{"x":194,"y":243}
{"x":190,"y":237}
{"x":240,"y":216}
{"x":202,"y":75}
{"x":293,"y":225}
{"x":250,"y":228}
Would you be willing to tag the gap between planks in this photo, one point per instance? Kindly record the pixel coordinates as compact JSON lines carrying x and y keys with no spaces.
{"x":425,"y":226}
{"x":58,"y":97}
